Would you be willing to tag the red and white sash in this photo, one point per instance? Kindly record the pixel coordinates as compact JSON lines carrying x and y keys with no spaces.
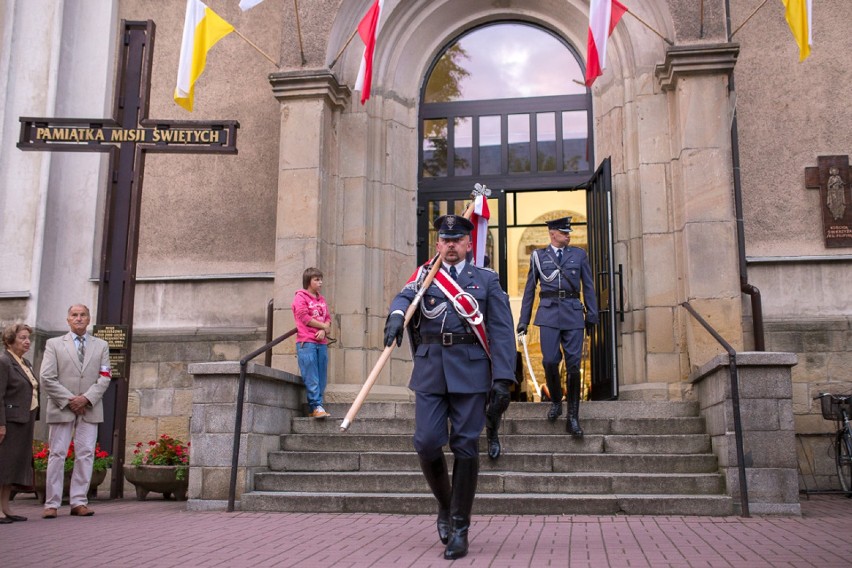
{"x":465,"y":305}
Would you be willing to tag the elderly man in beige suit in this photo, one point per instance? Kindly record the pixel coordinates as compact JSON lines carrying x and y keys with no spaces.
{"x":75,"y":373}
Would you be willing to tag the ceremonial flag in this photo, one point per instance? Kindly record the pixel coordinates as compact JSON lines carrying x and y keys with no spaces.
{"x":249,"y":4}
{"x":479,"y":236}
{"x":603,"y":17}
{"x":368,"y":29}
{"x":798,"y":15}
{"x":201,"y":30}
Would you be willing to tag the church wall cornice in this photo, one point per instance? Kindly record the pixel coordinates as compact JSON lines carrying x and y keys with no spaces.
{"x":309,"y":84}
{"x":696,"y":60}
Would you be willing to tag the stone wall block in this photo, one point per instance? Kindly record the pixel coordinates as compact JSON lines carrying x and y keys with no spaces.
{"x":214,"y":390}
{"x":758,"y":414}
{"x":269,"y":420}
{"x":173,"y":375}
{"x":174,"y":426}
{"x":659,"y":272}
{"x":663,"y":367}
{"x":653,"y":189}
{"x":182,"y":402}
{"x":156,"y":402}
{"x":660,"y":330}
{"x":227,"y":351}
{"x":143,"y":375}
{"x":652,"y":123}
{"x":215,"y":450}
{"x":711,"y":265}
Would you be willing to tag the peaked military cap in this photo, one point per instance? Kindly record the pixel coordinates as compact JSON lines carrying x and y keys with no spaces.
{"x":563,"y":224}
{"x":452,"y":226}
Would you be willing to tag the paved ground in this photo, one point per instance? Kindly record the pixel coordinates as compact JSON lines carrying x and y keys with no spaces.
{"x":162,"y":534}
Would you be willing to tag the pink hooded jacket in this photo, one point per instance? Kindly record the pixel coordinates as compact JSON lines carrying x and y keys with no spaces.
{"x":305,"y":308}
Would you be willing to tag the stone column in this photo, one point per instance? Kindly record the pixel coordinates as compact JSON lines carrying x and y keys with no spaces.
{"x":704,"y":246}
{"x":769,"y":434}
{"x":308,"y":183}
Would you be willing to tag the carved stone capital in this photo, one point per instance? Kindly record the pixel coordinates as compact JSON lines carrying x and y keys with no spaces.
{"x":696,"y":60}
{"x":309,"y":84}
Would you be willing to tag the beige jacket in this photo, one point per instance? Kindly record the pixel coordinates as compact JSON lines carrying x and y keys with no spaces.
{"x":62,"y":377}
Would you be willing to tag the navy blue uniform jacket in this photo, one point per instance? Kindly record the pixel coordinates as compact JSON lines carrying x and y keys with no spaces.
{"x":461,"y":368}
{"x":564,"y":313}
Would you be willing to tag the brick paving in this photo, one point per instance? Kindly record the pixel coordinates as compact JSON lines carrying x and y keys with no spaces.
{"x":163,"y":534}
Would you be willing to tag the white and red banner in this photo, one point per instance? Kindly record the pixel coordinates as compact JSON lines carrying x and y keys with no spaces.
{"x":368,"y":29}
{"x":479,"y":236}
{"x":603,"y":17}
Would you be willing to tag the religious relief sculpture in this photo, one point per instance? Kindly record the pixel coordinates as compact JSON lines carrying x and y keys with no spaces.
{"x":836,"y":195}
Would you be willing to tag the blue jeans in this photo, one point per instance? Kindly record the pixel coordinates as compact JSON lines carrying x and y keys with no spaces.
{"x":313,"y":364}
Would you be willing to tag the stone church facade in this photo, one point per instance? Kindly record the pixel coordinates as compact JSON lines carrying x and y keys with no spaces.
{"x":321,"y":180}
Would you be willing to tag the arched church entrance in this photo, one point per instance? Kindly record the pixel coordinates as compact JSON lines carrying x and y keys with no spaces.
{"x":504,"y":105}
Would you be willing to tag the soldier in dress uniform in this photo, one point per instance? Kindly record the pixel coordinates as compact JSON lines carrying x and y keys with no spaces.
{"x":560,"y":270}
{"x":453,"y":374}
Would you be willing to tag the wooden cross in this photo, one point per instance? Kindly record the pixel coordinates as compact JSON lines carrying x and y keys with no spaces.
{"x":831,"y":177}
{"x":127,"y":136}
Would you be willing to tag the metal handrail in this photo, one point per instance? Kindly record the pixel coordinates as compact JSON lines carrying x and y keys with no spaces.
{"x":735,"y":402}
{"x":238,"y":421}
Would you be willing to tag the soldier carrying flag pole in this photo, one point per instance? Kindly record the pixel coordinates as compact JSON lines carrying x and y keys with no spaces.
{"x":464,"y":354}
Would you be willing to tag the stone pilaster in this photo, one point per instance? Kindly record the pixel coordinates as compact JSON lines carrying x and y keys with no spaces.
{"x":308,"y":186}
{"x":704,"y":244}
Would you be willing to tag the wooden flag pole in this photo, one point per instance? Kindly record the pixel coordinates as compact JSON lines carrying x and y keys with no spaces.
{"x":750,"y":16}
{"x":647,"y":25}
{"x":342,"y":49}
{"x":374,"y":374}
{"x":260,"y":51}
{"x":299,"y":31}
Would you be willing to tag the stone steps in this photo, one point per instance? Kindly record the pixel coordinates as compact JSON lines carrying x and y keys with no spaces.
{"x":589,"y":444}
{"x":494,"y":482}
{"x":636,"y":458}
{"x":489,"y":503}
{"x":528,"y":462}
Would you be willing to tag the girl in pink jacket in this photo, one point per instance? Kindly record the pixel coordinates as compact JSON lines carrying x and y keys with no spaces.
{"x":313,"y":322}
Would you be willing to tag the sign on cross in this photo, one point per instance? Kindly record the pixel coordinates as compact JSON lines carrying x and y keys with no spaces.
{"x":127,"y":137}
{"x":833,"y":180}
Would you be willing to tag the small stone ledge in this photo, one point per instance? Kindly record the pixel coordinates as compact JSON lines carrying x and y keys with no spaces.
{"x":744,"y":359}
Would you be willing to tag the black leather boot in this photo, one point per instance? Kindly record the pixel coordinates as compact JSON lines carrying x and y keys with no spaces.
{"x":493,"y":439}
{"x":438,"y":477}
{"x":465,"y":474}
{"x":554,"y":385}
{"x":573,"y":424}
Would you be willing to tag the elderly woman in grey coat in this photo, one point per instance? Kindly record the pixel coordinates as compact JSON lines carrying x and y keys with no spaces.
{"x":18,"y":412}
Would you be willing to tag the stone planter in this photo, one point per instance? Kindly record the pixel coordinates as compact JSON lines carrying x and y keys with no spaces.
{"x":39,"y":482}
{"x":157,"y":479}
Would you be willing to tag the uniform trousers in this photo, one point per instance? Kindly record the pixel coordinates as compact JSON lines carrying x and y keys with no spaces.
{"x":85,"y":437}
{"x":466,"y":412}
{"x":571,"y":341}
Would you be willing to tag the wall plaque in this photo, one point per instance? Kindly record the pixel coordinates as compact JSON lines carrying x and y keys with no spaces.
{"x":832,"y":179}
{"x":114,"y":334}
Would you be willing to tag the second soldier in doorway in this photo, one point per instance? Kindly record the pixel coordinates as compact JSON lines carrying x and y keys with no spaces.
{"x":560,"y":271}
{"x":464,"y":353}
